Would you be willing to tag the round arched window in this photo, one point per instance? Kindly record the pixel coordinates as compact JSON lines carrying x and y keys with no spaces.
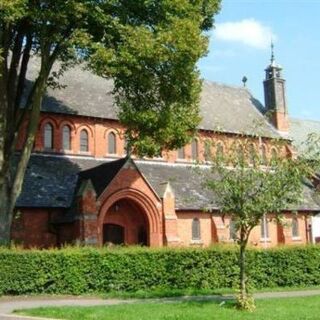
{"x":84,"y":141}
{"x":112,"y":143}
{"x":66,"y":138}
{"x":48,"y":136}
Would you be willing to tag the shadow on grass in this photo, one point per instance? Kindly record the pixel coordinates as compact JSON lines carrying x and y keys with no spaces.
{"x":169,"y":293}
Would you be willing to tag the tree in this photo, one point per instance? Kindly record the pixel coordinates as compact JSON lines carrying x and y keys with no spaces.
{"x":248,"y":190}
{"x":149,"y":47}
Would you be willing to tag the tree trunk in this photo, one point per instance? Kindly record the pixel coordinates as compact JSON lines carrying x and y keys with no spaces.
{"x":5,"y":212}
{"x":243,"y":275}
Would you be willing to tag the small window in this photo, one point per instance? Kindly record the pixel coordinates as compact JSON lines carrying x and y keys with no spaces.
{"x":112,"y":143}
{"x":252,"y":154}
{"x":264,"y":228}
{"x":48,"y":136}
{"x":207,"y":150}
{"x":240,"y":153}
{"x":84,"y":141}
{"x":219,"y":150}
{"x":264,"y":158}
{"x":232,"y":230}
{"x":295,"y":228}
{"x":181,"y":153}
{"x":274,"y":155}
{"x":66,"y":138}
{"x":194,"y":149}
{"x":196,"y":235}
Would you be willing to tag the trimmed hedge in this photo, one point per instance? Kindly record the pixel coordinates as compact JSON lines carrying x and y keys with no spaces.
{"x":89,"y":270}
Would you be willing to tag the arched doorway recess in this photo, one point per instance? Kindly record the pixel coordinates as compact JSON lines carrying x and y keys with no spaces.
{"x":125,"y":223}
{"x":136,"y":213}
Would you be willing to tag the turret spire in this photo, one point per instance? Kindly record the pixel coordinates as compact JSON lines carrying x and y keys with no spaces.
{"x":272,"y":52}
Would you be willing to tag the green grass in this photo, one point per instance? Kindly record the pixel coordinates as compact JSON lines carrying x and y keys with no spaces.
{"x":307,"y":308}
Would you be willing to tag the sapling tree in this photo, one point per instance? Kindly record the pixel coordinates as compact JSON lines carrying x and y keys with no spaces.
{"x":248,"y":187}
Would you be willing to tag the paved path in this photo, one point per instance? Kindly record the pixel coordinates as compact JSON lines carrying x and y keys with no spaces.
{"x":9,"y":304}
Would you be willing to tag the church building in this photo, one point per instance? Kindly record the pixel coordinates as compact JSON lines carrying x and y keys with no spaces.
{"x":80,"y":187}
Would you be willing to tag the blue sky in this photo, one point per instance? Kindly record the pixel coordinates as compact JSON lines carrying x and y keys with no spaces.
{"x":240,"y":45}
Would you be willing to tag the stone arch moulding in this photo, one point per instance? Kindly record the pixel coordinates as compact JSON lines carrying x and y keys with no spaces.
{"x":145,"y":203}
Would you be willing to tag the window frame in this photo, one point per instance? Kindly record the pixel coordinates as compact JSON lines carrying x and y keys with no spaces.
{"x":194,"y":149}
{"x":196,"y":229}
{"x":114,"y":149}
{"x":45,"y":137}
{"x":295,"y":228}
{"x":264,"y":155}
{"x":64,"y":138}
{"x":181,"y":151}
{"x":81,"y":140}
{"x":219,"y":152}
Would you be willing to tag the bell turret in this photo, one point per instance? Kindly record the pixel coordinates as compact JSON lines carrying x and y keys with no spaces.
{"x":275,"y":95}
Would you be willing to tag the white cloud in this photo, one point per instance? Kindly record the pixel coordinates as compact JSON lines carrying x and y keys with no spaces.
{"x":248,"y":32}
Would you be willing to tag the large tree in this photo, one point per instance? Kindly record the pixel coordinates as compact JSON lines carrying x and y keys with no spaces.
{"x":149,"y":47}
{"x":249,"y":189}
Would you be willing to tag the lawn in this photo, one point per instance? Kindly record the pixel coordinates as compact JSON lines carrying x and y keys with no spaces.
{"x":307,"y":308}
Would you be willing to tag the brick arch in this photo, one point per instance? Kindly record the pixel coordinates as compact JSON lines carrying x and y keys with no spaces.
{"x":50,"y":120}
{"x":113,"y":130}
{"x":85,"y":127}
{"x":147,"y":206}
{"x":69,"y":123}
{"x":39,"y":143}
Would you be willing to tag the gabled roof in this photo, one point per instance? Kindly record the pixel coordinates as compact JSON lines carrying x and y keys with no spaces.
{"x":222,"y":108}
{"x":103,"y":174}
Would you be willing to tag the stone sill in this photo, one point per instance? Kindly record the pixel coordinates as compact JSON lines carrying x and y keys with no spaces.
{"x":296,"y":239}
{"x":84,"y":153}
{"x":262,"y":240}
{"x":196,"y":241}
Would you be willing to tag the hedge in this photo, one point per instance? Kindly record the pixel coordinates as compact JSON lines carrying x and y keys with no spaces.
{"x":89,"y":270}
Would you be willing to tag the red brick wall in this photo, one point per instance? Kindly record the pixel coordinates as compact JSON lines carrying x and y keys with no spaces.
{"x":31,"y":228}
{"x":98,"y":130}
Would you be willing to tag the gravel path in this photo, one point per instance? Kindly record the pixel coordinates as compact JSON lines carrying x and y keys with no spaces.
{"x":9,"y":304}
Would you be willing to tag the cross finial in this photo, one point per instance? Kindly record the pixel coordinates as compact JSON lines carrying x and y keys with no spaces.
{"x":244,"y":80}
{"x":272,"y":51}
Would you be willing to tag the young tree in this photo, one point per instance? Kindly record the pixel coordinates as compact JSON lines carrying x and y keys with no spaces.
{"x":248,"y":189}
{"x":149,"y":47}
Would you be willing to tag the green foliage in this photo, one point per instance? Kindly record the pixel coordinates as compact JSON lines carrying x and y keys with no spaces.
{"x":89,"y":270}
{"x":249,"y":188}
{"x":153,"y":60}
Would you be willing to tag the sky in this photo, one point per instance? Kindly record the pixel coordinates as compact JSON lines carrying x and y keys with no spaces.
{"x":240,"y":46}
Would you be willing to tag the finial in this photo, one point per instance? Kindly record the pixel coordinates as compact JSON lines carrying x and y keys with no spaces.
{"x":272,"y":51}
{"x":244,"y":80}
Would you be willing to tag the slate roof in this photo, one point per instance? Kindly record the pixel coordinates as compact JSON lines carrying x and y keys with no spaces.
{"x":51,"y":181}
{"x":83,"y":93}
{"x":102,"y":174}
{"x":300,"y":129}
{"x":222,"y":108}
